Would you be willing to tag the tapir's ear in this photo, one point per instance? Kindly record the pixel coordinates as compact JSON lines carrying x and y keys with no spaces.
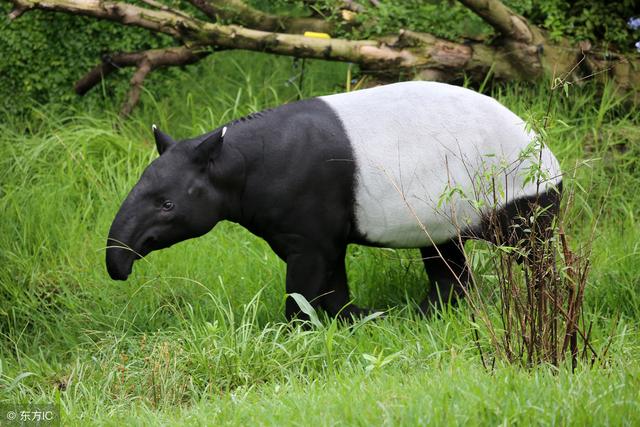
{"x":211,"y":144}
{"x":163,"y":141}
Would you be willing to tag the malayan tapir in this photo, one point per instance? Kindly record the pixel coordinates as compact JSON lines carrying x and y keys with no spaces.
{"x":406,"y":165}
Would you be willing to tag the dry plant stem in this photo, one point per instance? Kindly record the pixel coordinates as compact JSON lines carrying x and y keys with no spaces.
{"x":545,"y":324}
{"x":413,"y":213}
{"x":467,"y":261}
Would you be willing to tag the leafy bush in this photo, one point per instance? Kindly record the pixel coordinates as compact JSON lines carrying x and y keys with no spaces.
{"x":43,"y":54}
{"x":600,"y":21}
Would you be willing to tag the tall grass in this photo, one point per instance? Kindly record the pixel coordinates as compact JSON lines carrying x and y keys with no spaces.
{"x":197,"y":332}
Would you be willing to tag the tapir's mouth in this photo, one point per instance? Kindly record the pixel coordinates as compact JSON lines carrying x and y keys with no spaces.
{"x":120,"y":258}
{"x":120,"y":263}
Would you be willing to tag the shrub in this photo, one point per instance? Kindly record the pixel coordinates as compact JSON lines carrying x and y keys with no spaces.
{"x":43,"y":54}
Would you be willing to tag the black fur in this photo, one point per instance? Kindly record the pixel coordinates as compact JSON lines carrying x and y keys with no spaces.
{"x":298,"y":196}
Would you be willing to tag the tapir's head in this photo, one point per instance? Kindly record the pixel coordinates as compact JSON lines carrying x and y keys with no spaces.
{"x":175,"y":199}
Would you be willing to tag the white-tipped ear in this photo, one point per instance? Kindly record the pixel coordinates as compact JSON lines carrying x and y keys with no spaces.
{"x":224,"y":130}
{"x":163,"y":141}
{"x":210,"y":144}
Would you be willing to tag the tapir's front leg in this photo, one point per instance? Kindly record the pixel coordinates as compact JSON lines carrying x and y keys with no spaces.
{"x":306,"y":275}
{"x":322,"y":280}
{"x":336,"y":300}
{"x":316,"y":273}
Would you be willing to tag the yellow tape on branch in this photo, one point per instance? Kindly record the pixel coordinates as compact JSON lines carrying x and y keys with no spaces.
{"x":317,"y":35}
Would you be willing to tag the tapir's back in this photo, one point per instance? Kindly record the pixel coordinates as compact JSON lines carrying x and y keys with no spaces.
{"x":425,"y":156}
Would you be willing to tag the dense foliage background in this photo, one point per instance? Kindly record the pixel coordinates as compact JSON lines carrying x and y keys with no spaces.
{"x":44,"y":54}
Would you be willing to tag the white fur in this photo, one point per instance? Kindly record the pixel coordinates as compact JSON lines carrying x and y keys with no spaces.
{"x":415,"y":142}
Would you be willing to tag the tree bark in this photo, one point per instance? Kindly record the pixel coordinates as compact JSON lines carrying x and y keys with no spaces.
{"x":522,"y":52}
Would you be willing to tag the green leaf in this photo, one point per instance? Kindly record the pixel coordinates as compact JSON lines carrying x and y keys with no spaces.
{"x":306,"y":308}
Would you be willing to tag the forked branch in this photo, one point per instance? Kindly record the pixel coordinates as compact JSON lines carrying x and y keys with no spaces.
{"x":145,"y":62}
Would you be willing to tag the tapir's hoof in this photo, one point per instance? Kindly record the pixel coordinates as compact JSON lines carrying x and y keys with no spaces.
{"x":429,"y":307}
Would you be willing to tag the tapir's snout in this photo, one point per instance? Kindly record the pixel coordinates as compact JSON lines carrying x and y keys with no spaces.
{"x":128,"y":242}
{"x":119,"y":261}
{"x":122,"y":248}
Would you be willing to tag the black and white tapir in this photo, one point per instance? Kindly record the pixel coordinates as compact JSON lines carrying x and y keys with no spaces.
{"x":407,"y":165}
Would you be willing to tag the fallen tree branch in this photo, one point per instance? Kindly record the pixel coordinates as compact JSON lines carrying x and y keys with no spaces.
{"x":124,"y":13}
{"x":391,"y":55}
{"x":524,"y":42}
{"x":161,"y":6}
{"x":353,"y":6}
{"x":321,"y":9}
{"x":523,"y":53}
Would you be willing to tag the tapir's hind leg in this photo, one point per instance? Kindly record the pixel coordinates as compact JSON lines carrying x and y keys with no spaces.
{"x":448,"y":273}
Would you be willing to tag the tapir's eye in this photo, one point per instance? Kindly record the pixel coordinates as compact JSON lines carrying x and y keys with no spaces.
{"x":167,"y":205}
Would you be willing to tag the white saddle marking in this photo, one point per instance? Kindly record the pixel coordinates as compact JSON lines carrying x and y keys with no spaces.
{"x":425,"y":155}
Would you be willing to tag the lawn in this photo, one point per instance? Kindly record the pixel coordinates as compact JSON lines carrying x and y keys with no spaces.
{"x":197,"y":335}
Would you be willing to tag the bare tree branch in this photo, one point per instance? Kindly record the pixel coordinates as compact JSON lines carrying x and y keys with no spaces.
{"x":369,"y":53}
{"x":124,"y":13}
{"x":503,"y":19}
{"x":145,"y":62}
{"x":136,"y":88}
{"x":350,"y":5}
{"x":239,"y":12}
{"x":17,"y":11}
{"x":353,"y":6}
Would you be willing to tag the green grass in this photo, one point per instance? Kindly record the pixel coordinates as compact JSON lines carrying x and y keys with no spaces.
{"x":197,"y":334}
